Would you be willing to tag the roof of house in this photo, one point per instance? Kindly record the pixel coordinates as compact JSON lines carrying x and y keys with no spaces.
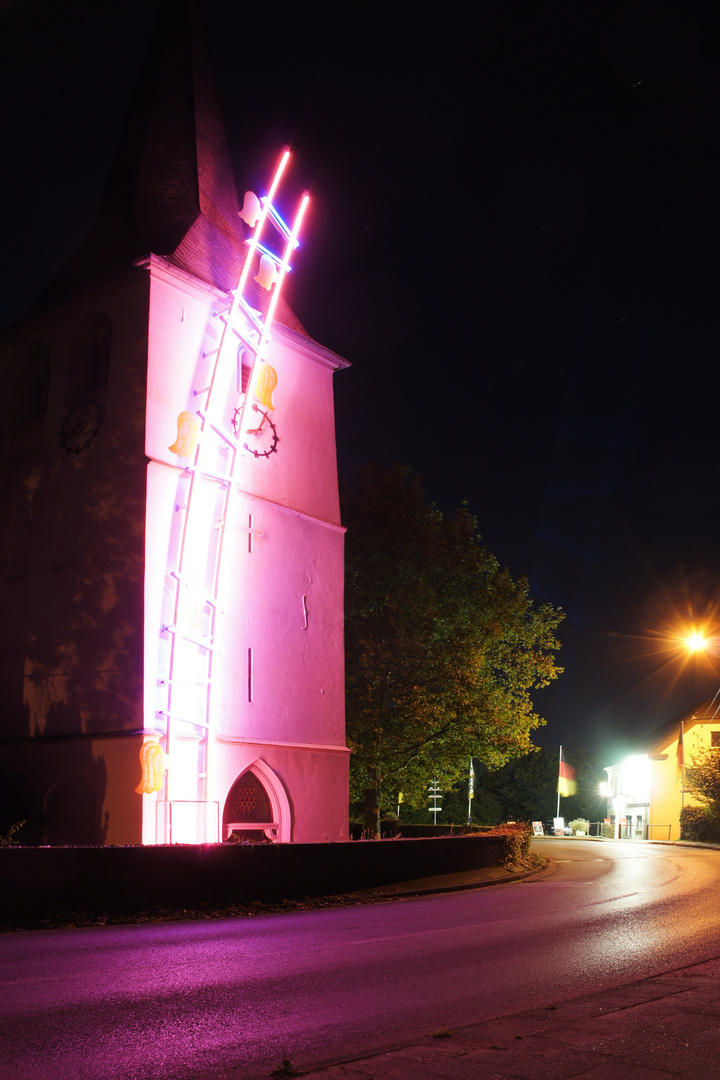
{"x":171,"y":190}
{"x":658,"y":740}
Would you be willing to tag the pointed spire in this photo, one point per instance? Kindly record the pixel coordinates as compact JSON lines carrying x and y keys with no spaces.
{"x":171,"y":189}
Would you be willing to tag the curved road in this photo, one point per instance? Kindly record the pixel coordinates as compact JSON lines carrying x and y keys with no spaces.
{"x":228,"y":998}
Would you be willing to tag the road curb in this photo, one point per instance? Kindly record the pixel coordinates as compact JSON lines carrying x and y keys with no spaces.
{"x":402,"y":889}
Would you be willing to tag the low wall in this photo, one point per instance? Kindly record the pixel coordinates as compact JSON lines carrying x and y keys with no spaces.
{"x":38,"y":883}
{"x":399,"y":828}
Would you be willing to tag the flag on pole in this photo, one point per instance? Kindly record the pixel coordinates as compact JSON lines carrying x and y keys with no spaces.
{"x":567,"y":779}
{"x":471,"y":781}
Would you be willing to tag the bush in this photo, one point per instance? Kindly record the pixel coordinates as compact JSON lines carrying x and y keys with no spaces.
{"x":580,"y":825}
{"x":701,"y":824}
{"x":516,"y":848}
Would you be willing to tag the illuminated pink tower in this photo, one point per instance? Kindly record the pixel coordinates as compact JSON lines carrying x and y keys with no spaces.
{"x":173,"y":663}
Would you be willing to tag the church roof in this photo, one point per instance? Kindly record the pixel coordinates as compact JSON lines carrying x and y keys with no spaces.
{"x":171,"y":190}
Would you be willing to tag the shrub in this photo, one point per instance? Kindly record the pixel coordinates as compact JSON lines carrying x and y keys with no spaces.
{"x":701,"y":824}
{"x":516,"y":847}
{"x":580,"y":825}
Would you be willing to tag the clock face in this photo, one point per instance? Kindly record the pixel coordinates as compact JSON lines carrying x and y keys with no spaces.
{"x":262,"y":437}
{"x":80,"y":426}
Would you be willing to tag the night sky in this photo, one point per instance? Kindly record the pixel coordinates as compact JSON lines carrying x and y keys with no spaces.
{"x":512,"y":239}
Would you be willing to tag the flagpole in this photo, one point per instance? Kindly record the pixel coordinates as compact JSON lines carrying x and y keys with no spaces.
{"x":558,"y":798}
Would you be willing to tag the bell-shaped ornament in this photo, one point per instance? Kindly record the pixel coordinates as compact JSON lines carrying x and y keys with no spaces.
{"x":188,"y":429}
{"x":153,"y":763}
{"x":266,"y":383}
{"x":267,"y":273}
{"x":251,"y":209}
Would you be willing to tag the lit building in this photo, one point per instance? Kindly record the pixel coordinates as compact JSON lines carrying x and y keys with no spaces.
{"x":172,"y":663}
{"x":647,"y":791}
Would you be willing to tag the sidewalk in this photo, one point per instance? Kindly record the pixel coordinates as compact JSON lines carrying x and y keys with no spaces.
{"x":654,"y":1029}
{"x":658,"y":1028}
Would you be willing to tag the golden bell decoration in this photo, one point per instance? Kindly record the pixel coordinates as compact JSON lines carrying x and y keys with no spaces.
{"x":266,"y":383}
{"x":153,"y":762}
{"x":188,"y":429}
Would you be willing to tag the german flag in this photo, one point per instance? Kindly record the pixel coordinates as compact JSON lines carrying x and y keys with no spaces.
{"x":567,"y":779}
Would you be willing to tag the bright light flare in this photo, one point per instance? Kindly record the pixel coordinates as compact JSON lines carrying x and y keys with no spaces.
{"x":696,"y":641}
{"x":678,"y":649}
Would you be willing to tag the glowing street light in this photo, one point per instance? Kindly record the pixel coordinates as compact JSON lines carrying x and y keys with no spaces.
{"x":696,"y":641}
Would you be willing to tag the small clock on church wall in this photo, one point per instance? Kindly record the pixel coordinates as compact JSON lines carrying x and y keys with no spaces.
{"x":261,"y":436}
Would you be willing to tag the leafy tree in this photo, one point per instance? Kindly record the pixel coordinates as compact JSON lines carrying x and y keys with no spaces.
{"x":700,"y":823}
{"x":525,"y":789}
{"x":702,"y":778}
{"x":443,"y":648}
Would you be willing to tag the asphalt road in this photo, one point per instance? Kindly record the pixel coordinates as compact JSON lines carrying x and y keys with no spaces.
{"x":229,"y":998}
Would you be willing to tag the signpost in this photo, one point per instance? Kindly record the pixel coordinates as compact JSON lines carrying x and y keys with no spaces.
{"x":435,"y":795}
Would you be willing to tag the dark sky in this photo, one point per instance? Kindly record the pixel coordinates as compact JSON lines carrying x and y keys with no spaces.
{"x":512,"y":238}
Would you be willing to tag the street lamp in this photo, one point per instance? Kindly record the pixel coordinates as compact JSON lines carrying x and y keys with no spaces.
{"x":696,"y":641}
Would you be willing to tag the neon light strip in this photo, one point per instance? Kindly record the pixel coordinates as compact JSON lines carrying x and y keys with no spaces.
{"x":275,"y":258}
{"x":265,"y":339}
{"x":203,"y":643}
{"x":252,"y":315}
{"x":184,"y":682}
{"x":211,"y":424}
{"x":224,"y":435}
{"x":183,"y":720}
{"x":261,"y":221}
{"x":293,"y":241}
{"x":279,"y":223}
{"x":216,"y":478}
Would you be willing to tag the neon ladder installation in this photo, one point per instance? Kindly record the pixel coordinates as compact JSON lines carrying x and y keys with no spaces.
{"x":232,"y":418}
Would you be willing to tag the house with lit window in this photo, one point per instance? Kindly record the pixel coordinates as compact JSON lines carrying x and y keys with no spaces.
{"x":647,"y":790}
{"x":172,"y":668}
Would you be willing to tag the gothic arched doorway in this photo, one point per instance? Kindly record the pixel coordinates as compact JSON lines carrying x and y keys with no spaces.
{"x":257,"y":807}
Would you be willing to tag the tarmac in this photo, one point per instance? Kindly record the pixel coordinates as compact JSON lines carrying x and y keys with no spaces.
{"x":657,"y":1028}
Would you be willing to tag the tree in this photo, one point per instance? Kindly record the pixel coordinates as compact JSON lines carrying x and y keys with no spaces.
{"x":702,"y":778}
{"x":526,"y":789}
{"x":443,"y":648}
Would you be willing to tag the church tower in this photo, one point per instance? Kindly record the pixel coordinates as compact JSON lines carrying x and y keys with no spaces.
{"x":172,"y":668}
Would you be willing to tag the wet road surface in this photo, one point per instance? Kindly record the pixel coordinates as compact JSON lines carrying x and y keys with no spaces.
{"x":229,"y":998}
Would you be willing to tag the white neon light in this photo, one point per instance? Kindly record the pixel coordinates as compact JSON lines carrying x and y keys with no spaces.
{"x":264,"y":340}
{"x":276,"y":258}
{"x":283,"y":228}
{"x":267,"y":201}
{"x":200,"y":548}
{"x":291,"y":242}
